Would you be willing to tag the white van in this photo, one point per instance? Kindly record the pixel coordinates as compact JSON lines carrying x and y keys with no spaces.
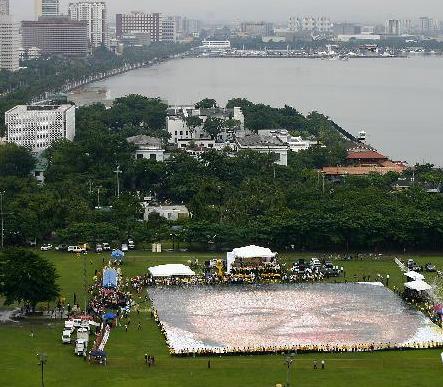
{"x":83,"y":334}
{"x":69,"y":325}
{"x":76,"y":249}
{"x":81,"y":347}
{"x":66,"y":337}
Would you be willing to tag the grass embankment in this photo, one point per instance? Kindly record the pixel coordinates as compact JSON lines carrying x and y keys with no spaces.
{"x":19,"y":363}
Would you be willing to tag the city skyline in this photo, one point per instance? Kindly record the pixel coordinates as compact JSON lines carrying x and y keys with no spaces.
{"x":232,"y":10}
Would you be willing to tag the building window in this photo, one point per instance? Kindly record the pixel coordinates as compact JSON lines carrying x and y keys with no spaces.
{"x":139,"y":156}
{"x":153,"y":156}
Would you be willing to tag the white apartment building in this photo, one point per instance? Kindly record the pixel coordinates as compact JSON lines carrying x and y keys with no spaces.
{"x":161,"y":28}
{"x":36,"y":127}
{"x":172,"y":213}
{"x":265,"y":144}
{"x":393,"y":27}
{"x":9,"y":44}
{"x":295,"y":144}
{"x":49,"y":8}
{"x":183,"y":135}
{"x":147,"y":147}
{"x":316,"y":24}
{"x":4,"y":7}
{"x":167,"y":29}
{"x":93,"y":12}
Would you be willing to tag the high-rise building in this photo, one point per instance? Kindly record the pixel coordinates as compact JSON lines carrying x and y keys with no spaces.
{"x":94,"y":13}
{"x":316,"y":24}
{"x":9,"y":44}
{"x":426,"y":25}
{"x":393,"y":27}
{"x":406,"y":26}
{"x":47,"y":8}
{"x":60,"y":36}
{"x":161,"y":28}
{"x":36,"y":127}
{"x":4,"y":7}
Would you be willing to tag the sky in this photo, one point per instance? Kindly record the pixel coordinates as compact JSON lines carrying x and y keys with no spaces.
{"x":372,"y":11}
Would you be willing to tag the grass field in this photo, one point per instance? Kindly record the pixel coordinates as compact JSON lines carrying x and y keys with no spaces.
{"x":19,"y":362}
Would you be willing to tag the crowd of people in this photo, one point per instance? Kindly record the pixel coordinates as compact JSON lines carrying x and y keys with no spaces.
{"x":332,"y":348}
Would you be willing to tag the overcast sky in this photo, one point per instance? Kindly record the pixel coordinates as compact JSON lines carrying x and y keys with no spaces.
{"x":272,"y":10}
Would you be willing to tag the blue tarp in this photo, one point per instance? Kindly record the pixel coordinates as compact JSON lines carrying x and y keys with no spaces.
{"x":117,"y":255}
{"x":110,"y":278}
{"x":109,"y":316}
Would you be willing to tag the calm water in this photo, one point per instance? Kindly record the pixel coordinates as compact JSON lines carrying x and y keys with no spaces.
{"x":397,"y":101}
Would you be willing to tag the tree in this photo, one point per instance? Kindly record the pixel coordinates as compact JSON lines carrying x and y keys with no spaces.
{"x":15,"y":161}
{"x":207,"y":103}
{"x":193,"y":122}
{"x":213,"y":126}
{"x":25,"y":277}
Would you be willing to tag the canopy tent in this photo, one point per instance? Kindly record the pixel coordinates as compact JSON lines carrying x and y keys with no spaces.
{"x":414,"y":276}
{"x":117,"y":255}
{"x":171,"y":270}
{"x":418,"y":286}
{"x":110,"y":278}
{"x":251,"y":251}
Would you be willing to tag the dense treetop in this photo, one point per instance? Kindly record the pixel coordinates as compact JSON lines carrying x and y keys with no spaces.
{"x":234,"y":200}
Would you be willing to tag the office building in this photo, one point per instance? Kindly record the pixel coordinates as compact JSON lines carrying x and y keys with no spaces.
{"x":56,"y":36}
{"x":9,"y":44}
{"x":257,"y":29}
{"x":393,"y":27}
{"x":346,"y":29}
{"x":94,"y":13}
{"x":36,"y":127}
{"x":186,"y":26}
{"x":4,"y":7}
{"x":49,"y":8}
{"x":161,"y":28}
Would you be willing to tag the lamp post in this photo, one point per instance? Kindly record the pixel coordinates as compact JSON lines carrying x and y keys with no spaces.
{"x":2,"y":215}
{"x":117,"y":172}
{"x":43,"y":358}
{"x":387,"y":280}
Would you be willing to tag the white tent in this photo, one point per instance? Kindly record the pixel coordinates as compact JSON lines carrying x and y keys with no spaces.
{"x":253,"y":252}
{"x":248,"y":252}
{"x":414,"y":275}
{"x":419,"y":286}
{"x":171,"y":270}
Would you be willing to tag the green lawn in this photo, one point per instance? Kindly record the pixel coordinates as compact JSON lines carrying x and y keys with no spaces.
{"x":19,"y":362}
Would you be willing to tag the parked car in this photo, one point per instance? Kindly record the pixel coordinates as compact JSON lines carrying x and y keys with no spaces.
{"x":98,"y":248}
{"x":81,"y":347}
{"x":46,"y":247}
{"x":125,"y":247}
{"x":430,"y":268}
{"x":66,"y":336}
{"x":412,"y":266}
{"x":131,"y":244}
{"x":315,"y":263}
{"x":106,"y":247}
{"x":61,"y":247}
{"x":330,"y":270}
{"x":76,"y":249}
